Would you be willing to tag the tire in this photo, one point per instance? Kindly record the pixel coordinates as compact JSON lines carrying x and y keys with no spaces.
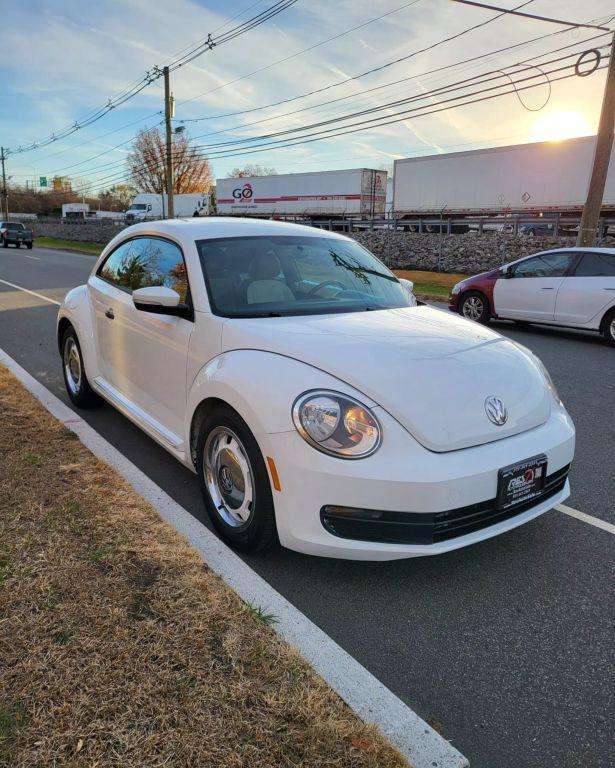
{"x":5,"y":244}
{"x":474,"y":305}
{"x":228,"y":457}
{"x":73,"y":370}
{"x":29,"y":246}
{"x":17,"y":244}
{"x":608,"y":328}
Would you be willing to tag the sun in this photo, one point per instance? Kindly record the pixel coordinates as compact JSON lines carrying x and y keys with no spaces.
{"x":556,"y":126}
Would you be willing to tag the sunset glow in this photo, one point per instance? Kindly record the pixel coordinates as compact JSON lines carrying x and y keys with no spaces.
{"x":556,"y":126}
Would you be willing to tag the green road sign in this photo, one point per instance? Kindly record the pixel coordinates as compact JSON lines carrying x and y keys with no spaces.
{"x":42,"y":181}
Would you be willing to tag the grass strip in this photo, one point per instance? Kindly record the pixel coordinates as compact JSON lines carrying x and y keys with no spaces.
{"x":119,"y":647}
{"x":68,"y":245}
{"x":436,"y":284}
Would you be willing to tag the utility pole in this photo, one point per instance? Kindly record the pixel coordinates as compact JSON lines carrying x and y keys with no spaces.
{"x":602,"y":157}
{"x":5,"y":192}
{"x":168,"y":114}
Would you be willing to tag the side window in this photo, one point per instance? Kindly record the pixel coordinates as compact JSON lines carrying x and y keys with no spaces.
{"x":545,"y":265}
{"x":145,"y":262}
{"x":596,"y":265}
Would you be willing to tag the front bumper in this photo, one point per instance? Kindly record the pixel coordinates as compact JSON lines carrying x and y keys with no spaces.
{"x":453,"y":302}
{"x":404,"y":477}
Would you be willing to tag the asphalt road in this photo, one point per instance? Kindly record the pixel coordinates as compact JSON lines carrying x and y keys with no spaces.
{"x":506,"y":647}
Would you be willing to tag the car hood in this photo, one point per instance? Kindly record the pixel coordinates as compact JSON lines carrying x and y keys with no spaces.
{"x":431,"y":371}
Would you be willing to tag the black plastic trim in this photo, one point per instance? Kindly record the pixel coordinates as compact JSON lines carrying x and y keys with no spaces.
{"x":432,"y":527}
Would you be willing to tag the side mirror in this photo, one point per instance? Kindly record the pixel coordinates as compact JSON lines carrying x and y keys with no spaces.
{"x":507,"y":272}
{"x":160,"y":300}
{"x":409,"y":286}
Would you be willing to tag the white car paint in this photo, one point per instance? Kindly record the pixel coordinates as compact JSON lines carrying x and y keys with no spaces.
{"x":424,"y":375}
{"x":569,"y":299}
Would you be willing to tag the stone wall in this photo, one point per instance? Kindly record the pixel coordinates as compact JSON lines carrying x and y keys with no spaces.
{"x":469,"y":253}
{"x":100,"y":231}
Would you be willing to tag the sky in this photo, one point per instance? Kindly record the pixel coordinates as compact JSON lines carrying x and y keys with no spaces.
{"x":61,"y":60}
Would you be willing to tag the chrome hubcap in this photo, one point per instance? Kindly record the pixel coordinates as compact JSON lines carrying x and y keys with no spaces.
{"x":229,"y":477}
{"x":72,"y":366}
{"x":612,"y":328}
{"x":473,"y":308}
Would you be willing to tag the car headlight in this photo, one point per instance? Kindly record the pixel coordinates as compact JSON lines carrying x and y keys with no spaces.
{"x":536,"y":361}
{"x":456,"y":288}
{"x":336,"y":424}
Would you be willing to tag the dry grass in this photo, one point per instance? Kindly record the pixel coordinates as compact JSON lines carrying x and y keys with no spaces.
{"x":436,"y":284}
{"x":119,"y":647}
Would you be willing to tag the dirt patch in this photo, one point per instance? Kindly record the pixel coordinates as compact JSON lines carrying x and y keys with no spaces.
{"x":118,"y":647}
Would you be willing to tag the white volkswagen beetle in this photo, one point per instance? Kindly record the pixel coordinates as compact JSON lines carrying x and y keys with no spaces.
{"x":295,"y":374}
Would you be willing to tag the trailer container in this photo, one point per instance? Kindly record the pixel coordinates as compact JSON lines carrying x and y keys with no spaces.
{"x":526,"y":178}
{"x":358,"y":192}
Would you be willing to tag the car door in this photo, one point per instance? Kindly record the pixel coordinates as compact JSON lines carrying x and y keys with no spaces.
{"x":143,"y":355}
{"x":529,"y":289}
{"x":588,"y":292}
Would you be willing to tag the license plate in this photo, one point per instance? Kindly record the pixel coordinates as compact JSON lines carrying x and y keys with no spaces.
{"x":521,"y":482}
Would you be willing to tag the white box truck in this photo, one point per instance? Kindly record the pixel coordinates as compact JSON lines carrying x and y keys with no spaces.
{"x":525,"y":178}
{"x":75,"y":210}
{"x":153,"y":206}
{"x":359,"y":192}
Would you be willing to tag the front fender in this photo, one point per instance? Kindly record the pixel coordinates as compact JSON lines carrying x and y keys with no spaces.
{"x":76,"y":310}
{"x":261,"y":387}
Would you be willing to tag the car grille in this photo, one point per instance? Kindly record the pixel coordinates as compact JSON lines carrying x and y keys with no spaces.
{"x":429,"y":528}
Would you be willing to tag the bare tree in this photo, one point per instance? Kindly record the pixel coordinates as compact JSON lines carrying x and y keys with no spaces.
{"x":147,"y":164}
{"x":251,"y":170}
{"x":117,"y":197}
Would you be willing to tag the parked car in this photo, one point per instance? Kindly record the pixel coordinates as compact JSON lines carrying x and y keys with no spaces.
{"x":296,"y":375}
{"x":569,"y":287}
{"x":15,"y":233}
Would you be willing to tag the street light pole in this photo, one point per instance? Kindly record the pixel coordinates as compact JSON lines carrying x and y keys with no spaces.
{"x":602,"y":157}
{"x":5,"y":192}
{"x":168,"y":114}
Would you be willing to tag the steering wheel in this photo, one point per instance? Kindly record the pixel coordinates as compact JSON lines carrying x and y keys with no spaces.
{"x":316,"y":288}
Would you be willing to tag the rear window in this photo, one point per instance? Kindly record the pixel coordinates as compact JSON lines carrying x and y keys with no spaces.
{"x":13,"y":226}
{"x":596,"y":265}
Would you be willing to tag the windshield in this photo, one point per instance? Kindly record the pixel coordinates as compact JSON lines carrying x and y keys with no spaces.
{"x":284,"y":275}
{"x":138,"y":207}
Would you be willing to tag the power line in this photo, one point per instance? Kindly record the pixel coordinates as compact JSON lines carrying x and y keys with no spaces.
{"x":381,"y":122}
{"x":155,"y":73}
{"x":470,"y":82}
{"x":428,"y":73}
{"x":515,"y":12}
{"x":304,"y":50}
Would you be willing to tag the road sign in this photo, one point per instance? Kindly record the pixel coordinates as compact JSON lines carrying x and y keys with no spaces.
{"x":42,"y":181}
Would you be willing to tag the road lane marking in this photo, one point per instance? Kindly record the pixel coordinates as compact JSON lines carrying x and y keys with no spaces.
{"x":370,"y":699}
{"x":33,"y":293}
{"x":36,"y":258}
{"x":589,"y":519}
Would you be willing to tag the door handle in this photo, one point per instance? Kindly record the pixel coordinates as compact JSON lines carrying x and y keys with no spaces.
{"x":609,"y":289}
{"x":546,"y":289}
{"x":109,"y":314}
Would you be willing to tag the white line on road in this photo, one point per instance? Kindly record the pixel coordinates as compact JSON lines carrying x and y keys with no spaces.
{"x":34,"y":293}
{"x":372,"y":701}
{"x":595,"y":521}
{"x":36,"y":258}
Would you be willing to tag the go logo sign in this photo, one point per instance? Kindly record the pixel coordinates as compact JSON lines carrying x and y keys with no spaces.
{"x":243,"y":193}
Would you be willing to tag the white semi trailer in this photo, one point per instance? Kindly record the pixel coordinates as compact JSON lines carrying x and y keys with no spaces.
{"x":545,"y":177}
{"x":359,"y":192}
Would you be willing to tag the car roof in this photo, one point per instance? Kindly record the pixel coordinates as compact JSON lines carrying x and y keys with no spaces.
{"x":576,"y":249}
{"x":204,"y":228}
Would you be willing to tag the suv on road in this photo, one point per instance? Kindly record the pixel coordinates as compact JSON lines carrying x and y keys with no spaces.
{"x":13,"y":232}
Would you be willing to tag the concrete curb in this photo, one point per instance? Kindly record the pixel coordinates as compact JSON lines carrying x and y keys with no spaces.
{"x":368,"y":697}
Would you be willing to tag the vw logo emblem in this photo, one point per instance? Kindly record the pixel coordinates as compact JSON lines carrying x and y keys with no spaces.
{"x":496,"y":411}
{"x":226,"y":481}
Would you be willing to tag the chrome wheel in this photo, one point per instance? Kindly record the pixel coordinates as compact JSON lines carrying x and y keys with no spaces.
{"x":72,"y":366}
{"x":229,"y":477}
{"x":473,"y":308}
{"x":612,"y":329}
